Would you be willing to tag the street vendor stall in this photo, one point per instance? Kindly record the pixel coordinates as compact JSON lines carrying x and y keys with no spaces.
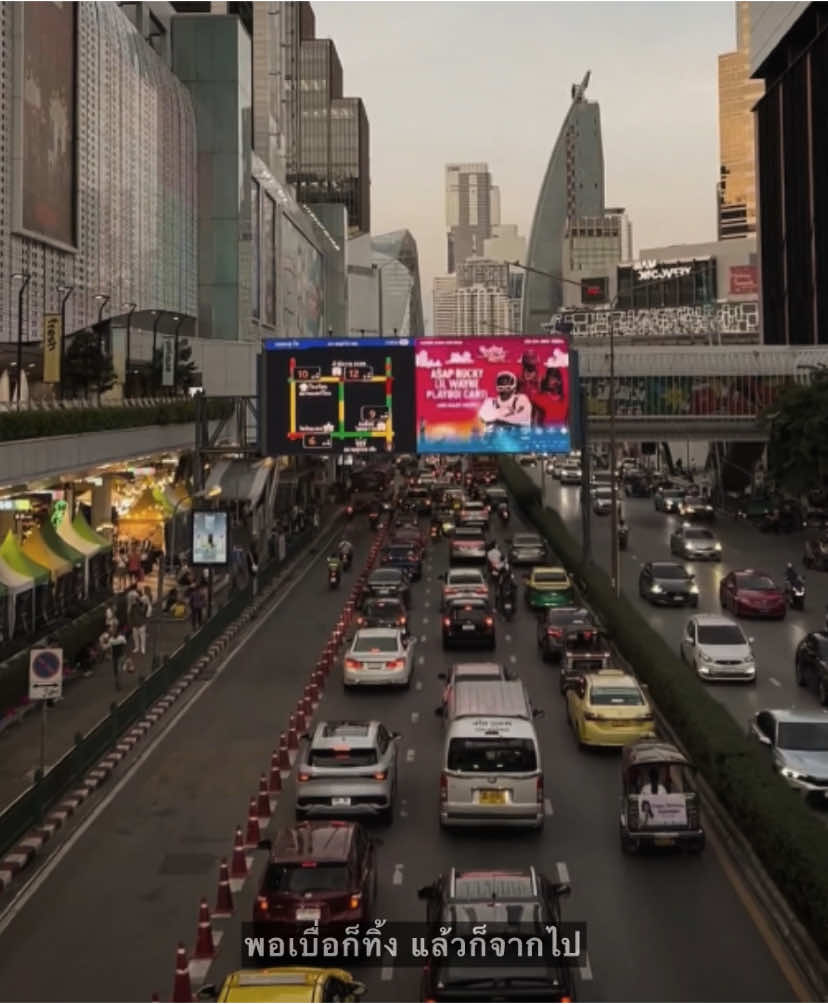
{"x":75,"y":558}
{"x":100,"y":563}
{"x":145,"y":518}
{"x":20,"y":610}
{"x":12,"y":554}
{"x":38,"y":551}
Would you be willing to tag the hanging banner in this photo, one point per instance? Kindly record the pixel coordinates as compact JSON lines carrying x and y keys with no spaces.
{"x":52,"y":339}
{"x":167,"y":361}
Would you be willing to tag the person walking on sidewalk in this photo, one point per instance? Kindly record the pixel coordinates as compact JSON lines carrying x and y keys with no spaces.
{"x":138,"y":624}
{"x":198,"y":599}
{"x":116,"y":642}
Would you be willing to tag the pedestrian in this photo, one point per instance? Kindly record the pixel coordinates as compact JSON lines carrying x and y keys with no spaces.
{"x":132,"y":597}
{"x":134,"y":563}
{"x":110,"y":620}
{"x":197,"y":601}
{"x":138,"y":624}
{"x":116,"y":642}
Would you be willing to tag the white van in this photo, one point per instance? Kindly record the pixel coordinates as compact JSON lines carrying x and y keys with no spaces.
{"x":491,"y":759}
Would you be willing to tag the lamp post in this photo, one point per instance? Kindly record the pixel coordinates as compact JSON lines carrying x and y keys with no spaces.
{"x":67,"y":292}
{"x":180,"y":321}
{"x":26,"y":277}
{"x":206,"y":494}
{"x":131,"y":308}
{"x":158,"y":315}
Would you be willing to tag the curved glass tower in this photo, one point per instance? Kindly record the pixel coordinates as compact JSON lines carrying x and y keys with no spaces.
{"x":572,"y":187}
{"x":401,"y":297}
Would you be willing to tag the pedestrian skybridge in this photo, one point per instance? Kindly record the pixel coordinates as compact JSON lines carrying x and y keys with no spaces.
{"x":700,"y":393}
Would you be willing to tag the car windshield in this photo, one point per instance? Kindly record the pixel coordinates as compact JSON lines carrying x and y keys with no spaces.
{"x":669,"y":572}
{"x":699,"y":535}
{"x":464,"y":611}
{"x":615,"y":696}
{"x":803,"y":736}
{"x":383,"y":608}
{"x":761,"y":583}
{"x":465,"y":579}
{"x":309,"y":876}
{"x":721,"y":634}
{"x":381,"y":644}
{"x":499,"y":982}
{"x":342,"y":756}
{"x":553,"y":578}
{"x":487,"y":755}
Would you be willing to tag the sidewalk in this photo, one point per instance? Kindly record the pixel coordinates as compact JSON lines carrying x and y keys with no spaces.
{"x":86,"y":700}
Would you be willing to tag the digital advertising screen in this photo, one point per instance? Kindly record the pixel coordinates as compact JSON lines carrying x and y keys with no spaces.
{"x":493,"y":395}
{"x":210,"y":537}
{"x":339,"y":396}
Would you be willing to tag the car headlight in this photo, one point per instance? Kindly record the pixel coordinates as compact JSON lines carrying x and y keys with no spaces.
{"x":792,"y":775}
{"x":717,"y":546}
{"x":694,"y":590}
{"x":656,"y":588}
{"x":705,"y":657}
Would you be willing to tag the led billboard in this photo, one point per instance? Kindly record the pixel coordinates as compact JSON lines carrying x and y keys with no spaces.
{"x":339,"y":396}
{"x":493,"y":395}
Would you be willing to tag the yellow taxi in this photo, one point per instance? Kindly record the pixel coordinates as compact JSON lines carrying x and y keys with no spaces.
{"x":286,"y":985}
{"x":608,"y":708}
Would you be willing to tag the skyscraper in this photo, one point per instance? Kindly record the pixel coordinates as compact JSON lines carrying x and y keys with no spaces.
{"x":736,"y":190}
{"x":472,"y":207}
{"x":444,"y":293}
{"x":572,"y":187}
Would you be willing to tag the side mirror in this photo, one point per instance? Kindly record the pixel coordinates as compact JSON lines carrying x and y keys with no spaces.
{"x":427,"y":892}
{"x":207,"y":992}
{"x":561,"y":888}
{"x":265,"y":844}
{"x":442,"y":576}
{"x":305,"y":737}
{"x":356,"y":989}
{"x":538,"y":712}
{"x":442,"y":676}
{"x":758,"y":734}
{"x":439,"y":712}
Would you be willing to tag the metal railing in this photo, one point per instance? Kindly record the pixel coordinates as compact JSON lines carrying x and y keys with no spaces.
{"x":82,"y":404}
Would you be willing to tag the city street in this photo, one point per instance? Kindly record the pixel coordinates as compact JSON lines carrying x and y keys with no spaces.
{"x":660,"y":927}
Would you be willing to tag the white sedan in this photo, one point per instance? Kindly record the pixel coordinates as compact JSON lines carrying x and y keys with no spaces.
{"x":718,"y":649}
{"x":379,"y":657}
{"x":462,"y":582}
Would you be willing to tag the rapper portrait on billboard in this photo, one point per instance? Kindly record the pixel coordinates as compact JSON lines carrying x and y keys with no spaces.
{"x":492,"y":395}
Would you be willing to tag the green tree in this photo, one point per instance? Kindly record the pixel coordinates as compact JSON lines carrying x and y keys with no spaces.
{"x":186,"y":370}
{"x":86,"y":366}
{"x":798,"y":436}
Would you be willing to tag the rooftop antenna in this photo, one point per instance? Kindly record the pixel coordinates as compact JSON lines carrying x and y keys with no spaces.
{"x":579,"y":89}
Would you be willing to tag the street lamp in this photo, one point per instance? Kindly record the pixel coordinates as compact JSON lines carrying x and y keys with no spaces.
{"x":378,"y":269}
{"x":158,"y":315}
{"x":210,"y":493}
{"x":67,"y":292}
{"x":26,"y":277}
{"x":131,"y":308}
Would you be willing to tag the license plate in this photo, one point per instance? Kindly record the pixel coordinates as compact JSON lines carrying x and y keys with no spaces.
{"x":342,"y":800}
{"x":468,"y":627}
{"x":308,"y":914}
{"x":663,"y":841}
{"x":492,"y":797}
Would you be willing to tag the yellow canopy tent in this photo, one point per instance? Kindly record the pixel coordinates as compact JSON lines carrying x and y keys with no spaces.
{"x":145,"y":518}
{"x":36,"y":548}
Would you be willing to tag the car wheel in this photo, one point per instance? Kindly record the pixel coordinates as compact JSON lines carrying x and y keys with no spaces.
{"x":697,"y":846}
{"x":822,"y":692}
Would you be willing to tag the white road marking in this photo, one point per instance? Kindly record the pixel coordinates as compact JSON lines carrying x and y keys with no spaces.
{"x":563,"y":871}
{"x":387,"y":973}
{"x":586,"y":969}
{"x":508,"y":637}
{"x":410,"y":756}
{"x":398,"y":875}
{"x":774,"y":681}
{"x":423,"y":638}
{"x":418,"y":685}
{"x":425,"y":620}
{"x":420,"y":660}
{"x":415,"y":717}
{"x":512,"y":658}
{"x":547,"y":807}
{"x":426,"y":604}
{"x":31,"y":887}
{"x":634,"y":557}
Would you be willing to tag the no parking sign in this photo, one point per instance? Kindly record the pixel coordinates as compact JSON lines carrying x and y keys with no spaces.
{"x":45,"y":674}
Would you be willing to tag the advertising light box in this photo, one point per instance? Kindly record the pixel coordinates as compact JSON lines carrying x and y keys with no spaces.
{"x":210,"y":544}
{"x":493,"y":395}
{"x":339,"y":396}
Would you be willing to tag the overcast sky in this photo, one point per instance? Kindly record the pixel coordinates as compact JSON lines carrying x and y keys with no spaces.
{"x":490,"y":82}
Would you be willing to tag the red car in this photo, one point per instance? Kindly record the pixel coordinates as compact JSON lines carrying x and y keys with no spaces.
{"x":749,"y":593}
{"x":318,"y":873}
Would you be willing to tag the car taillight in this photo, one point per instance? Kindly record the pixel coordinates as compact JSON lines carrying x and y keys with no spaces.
{"x":303,"y":777}
{"x":403,"y":620}
{"x":443,"y":787}
{"x":352,"y":664}
{"x":489,"y":622}
{"x":446,"y":622}
{"x":262,"y":906}
{"x":360,"y":621}
{"x":395,"y":664}
{"x":554,"y":632}
{"x":355,"y":900}
{"x":380,"y":775}
{"x":539,"y":789}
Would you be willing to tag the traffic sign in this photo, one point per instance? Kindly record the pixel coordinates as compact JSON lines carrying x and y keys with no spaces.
{"x":45,"y":674}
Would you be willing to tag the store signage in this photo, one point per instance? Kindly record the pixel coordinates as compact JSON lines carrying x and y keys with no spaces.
{"x":652,"y":269}
{"x":15,"y":505}
{"x":594,"y":290}
{"x":744,"y":279}
{"x":52,"y":339}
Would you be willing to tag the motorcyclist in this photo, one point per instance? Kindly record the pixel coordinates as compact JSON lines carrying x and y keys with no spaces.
{"x":507,"y":587}
{"x":792,"y":577}
{"x":334,"y":564}
{"x":345,"y":552}
{"x":494,"y":558}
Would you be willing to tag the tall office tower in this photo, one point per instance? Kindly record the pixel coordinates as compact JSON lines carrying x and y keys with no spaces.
{"x":738,"y":93}
{"x":472,"y":205}
{"x":329,"y":159}
{"x":505,"y":244}
{"x":444,"y":295}
{"x":483,"y":310}
{"x":572,"y":187}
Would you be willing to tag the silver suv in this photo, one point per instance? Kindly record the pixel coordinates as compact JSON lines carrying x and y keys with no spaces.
{"x":347,"y":769}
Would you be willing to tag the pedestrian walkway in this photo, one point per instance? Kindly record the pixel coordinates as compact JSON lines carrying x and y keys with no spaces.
{"x":85,"y":701}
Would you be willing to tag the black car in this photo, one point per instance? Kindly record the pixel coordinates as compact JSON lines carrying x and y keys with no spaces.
{"x":668,"y":583}
{"x":382,"y":611}
{"x":418,"y":499}
{"x":386,"y":582}
{"x":811,"y":665}
{"x":668,"y":499}
{"x":468,"y":620}
{"x":637,"y":486}
{"x":553,"y":626}
{"x":496,"y":899}
{"x":405,"y":556}
{"x":527,"y":550}
{"x":495,"y":497}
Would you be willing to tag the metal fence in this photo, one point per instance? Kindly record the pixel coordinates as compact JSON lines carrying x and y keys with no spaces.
{"x":31,"y":807}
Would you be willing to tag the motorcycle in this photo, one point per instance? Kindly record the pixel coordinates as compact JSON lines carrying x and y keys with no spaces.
{"x":349,"y":511}
{"x":507,"y":605}
{"x":435,"y":531}
{"x":623,"y":536}
{"x":373,"y":519}
{"x":346,"y":558}
{"x":333,"y":577}
{"x":795,"y":593}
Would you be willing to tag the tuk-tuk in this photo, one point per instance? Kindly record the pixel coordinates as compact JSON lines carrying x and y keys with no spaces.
{"x":659,"y":802}
{"x":583,"y":649}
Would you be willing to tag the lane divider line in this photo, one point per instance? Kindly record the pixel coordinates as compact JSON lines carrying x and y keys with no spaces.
{"x":398,"y":875}
{"x":563,"y":872}
{"x":547,"y":807}
{"x":585,"y":970}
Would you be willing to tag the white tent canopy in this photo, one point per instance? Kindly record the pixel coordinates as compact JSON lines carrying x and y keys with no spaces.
{"x":15,"y":583}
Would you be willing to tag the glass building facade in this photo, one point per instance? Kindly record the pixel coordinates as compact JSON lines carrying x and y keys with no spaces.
{"x":572,"y":187}
{"x":350,"y":184}
{"x":398,"y":268}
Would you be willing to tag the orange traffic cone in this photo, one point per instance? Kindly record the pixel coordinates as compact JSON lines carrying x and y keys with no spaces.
{"x":284,"y":753}
{"x":182,"y":991}
{"x":275,"y":783}
{"x":263,"y":800}
{"x":238,"y":863}
{"x":204,"y":948}
{"x":224,"y":897}
{"x":300,"y":717}
{"x":253,"y":835}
